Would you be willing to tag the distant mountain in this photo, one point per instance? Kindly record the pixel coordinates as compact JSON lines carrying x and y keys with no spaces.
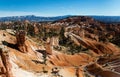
{"x":32,"y":18}
{"x":105,"y":19}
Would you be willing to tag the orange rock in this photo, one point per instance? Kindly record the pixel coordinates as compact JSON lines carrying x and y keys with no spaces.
{"x":6,"y":66}
{"x":20,"y":36}
{"x":48,"y":48}
{"x":97,"y":71}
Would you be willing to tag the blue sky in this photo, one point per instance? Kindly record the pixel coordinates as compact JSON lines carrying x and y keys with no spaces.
{"x":59,"y":7}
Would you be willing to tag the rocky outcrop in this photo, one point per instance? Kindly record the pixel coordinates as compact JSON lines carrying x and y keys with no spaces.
{"x":98,"y":71}
{"x":5,"y":65}
{"x":97,"y":47}
{"x":31,"y":63}
{"x":85,"y":31}
{"x":48,"y":46}
{"x":20,"y":37}
{"x":36,"y":30}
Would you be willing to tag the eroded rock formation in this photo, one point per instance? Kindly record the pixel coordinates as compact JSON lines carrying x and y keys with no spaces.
{"x":98,"y":71}
{"x":20,"y":37}
{"x":5,"y":65}
{"x":85,"y":31}
{"x":48,"y":46}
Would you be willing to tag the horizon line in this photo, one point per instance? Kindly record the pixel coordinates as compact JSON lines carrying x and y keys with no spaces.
{"x":53,"y":16}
